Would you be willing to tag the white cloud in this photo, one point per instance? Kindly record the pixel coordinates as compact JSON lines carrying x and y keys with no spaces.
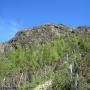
{"x":8,"y":28}
{"x":14,"y":23}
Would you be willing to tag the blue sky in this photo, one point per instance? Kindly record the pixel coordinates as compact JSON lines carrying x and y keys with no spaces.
{"x":18,"y":14}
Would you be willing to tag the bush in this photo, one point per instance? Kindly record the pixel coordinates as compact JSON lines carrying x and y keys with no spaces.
{"x":64,"y":81}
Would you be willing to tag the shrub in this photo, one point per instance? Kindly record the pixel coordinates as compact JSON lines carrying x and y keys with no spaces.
{"x":64,"y":81}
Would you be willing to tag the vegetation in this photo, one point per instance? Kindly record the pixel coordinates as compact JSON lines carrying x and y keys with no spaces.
{"x":34,"y":63}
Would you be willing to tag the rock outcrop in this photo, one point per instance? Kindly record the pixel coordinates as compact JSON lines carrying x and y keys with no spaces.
{"x":40,"y":35}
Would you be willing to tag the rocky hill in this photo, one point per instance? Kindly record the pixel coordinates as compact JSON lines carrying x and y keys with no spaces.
{"x":37,"y":35}
{"x":40,"y":35}
{"x":48,"y":52}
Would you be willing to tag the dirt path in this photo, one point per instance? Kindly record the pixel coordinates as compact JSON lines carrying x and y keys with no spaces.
{"x":44,"y":86}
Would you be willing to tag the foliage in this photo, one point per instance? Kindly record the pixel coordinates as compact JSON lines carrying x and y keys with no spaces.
{"x":38,"y":57}
{"x":64,"y":80}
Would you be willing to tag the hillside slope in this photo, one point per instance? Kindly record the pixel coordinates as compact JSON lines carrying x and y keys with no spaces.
{"x":48,"y":52}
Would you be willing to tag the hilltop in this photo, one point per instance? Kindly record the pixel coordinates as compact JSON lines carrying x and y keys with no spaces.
{"x":41,"y":34}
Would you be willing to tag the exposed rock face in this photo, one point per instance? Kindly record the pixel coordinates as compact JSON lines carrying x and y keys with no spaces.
{"x":83,"y":29}
{"x":40,"y":35}
{"x":2,"y":45}
{"x":35,"y":36}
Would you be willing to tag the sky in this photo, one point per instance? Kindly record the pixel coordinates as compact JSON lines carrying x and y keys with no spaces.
{"x":18,"y":14}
